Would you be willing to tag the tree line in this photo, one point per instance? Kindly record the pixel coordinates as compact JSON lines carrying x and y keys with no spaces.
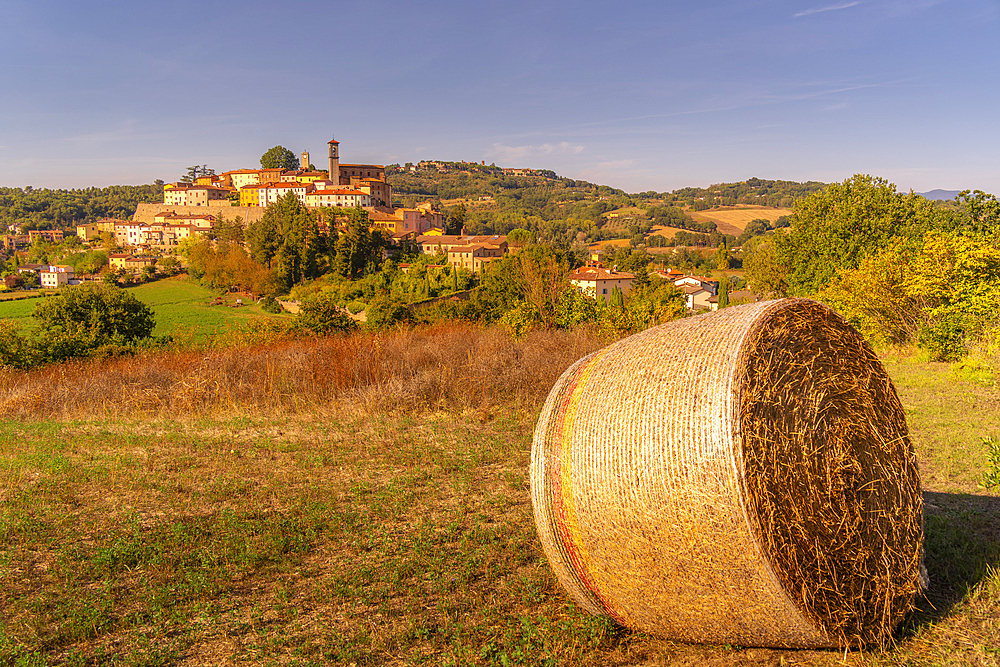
{"x":31,"y":208}
{"x":902,"y":269}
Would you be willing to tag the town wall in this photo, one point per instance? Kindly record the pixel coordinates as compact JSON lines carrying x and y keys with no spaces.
{"x":147,"y":212}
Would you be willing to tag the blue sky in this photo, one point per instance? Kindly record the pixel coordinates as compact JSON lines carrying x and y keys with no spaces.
{"x":636,"y":95}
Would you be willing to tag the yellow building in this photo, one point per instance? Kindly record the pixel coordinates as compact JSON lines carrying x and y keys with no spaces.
{"x":250,"y":195}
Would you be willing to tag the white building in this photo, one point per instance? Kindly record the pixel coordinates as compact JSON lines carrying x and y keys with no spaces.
{"x":599,"y":282}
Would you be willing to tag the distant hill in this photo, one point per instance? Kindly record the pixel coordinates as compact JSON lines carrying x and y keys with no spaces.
{"x":943,"y":195}
{"x":493,"y":200}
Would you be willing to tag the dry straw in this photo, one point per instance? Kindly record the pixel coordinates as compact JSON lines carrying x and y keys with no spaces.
{"x":741,"y":477}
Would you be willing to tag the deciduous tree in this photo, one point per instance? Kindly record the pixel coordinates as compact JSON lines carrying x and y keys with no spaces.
{"x":279,"y":157}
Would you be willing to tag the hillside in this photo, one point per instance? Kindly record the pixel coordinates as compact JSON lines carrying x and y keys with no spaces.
{"x":491,"y":200}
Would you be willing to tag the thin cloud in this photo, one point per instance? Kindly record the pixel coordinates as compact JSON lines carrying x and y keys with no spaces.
{"x":830,"y":8}
{"x":515,"y":152}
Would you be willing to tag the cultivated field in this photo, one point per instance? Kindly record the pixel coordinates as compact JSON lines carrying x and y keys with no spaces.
{"x":365,"y":501}
{"x":734,"y":220}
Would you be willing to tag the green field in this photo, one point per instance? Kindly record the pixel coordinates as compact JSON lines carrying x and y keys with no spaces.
{"x":301,"y":532}
{"x":180,"y":304}
{"x":181,"y":307}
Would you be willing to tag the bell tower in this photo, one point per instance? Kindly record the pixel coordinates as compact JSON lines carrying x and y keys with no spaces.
{"x":335,"y":162}
{"x":304,"y":160}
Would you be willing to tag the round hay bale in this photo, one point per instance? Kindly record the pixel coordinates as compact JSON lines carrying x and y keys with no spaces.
{"x":744,"y":477}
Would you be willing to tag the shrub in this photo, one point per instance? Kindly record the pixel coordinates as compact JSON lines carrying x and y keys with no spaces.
{"x":323,"y":316}
{"x":945,"y":339}
{"x":15,"y":350}
{"x":384,"y":313}
{"x":80,"y":320}
{"x":270,"y":305}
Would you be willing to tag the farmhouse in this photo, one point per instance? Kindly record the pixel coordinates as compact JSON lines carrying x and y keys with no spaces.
{"x":599,"y":282}
{"x":55,"y":276}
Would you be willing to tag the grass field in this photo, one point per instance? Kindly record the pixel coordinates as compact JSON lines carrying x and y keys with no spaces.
{"x":179,"y":305}
{"x":182,"y":304}
{"x":385,"y":524}
{"x":734,"y":220}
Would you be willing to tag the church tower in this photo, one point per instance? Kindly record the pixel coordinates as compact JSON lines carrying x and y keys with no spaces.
{"x":304,"y":160}
{"x":335,"y":162}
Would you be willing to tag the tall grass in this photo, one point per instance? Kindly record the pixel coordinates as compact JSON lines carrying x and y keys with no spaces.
{"x":450,"y":367}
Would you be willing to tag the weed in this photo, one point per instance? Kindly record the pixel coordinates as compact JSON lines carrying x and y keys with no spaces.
{"x":991,"y":476}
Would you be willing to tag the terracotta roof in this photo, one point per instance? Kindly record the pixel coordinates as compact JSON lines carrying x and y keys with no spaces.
{"x":599,"y":273}
{"x":382,"y":216}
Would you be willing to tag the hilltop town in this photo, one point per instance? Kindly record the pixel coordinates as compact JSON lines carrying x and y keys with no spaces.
{"x":191,"y":209}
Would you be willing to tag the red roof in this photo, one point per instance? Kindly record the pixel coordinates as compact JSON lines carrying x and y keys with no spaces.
{"x":599,"y":273}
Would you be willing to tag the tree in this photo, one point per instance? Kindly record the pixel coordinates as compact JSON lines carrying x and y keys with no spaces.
{"x":170,"y":265}
{"x":755,"y":227}
{"x":724,"y":286}
{"x":357,"y":248}
{"x":456,"y":220}
{"x":722,"y":257}
{"x":279,"y":157}
{"x":520,"y":237}
{"x":286,"y":240}
{"x":384,"y":313}
{"x":81,"y":320}
{"x":764,"y":272}
{"x":874,"y":299}
{"x":837,"y":227}
{"x":228,"y":231}
{"x":980,"y":210}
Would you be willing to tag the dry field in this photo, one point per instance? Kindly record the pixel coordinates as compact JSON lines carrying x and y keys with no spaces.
{"x":734,"y":220}
{"x":365,"y":501}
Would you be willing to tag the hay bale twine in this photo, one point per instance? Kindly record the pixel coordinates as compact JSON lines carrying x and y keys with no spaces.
{"x":744,"y":476}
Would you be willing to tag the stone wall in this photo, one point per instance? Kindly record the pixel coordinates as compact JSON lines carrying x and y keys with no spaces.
{"x":146,"y":212}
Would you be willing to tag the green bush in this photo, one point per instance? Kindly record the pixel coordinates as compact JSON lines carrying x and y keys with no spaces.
{"x":944,"y":340}
{"x":82,"y":320}
{"x":15,"y":350}
{"x":384,"y":313}
{"x":323,"y":316}
{"x":270,"y":305}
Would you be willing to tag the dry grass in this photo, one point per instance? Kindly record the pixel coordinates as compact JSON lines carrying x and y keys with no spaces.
{"x":340,"y":528}
{"x":734,"y":220}
{"x":449,"y":367}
